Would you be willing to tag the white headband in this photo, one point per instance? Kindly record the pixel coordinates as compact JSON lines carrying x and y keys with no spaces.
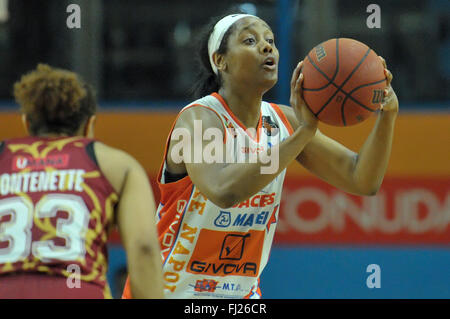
{"x":221,"y":27}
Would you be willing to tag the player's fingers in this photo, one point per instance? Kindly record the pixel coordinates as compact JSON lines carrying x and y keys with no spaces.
{"x":298,"y":84}
{"x":295,"y":74}
{"x":387,"y":94}
{"x":389,"y":76}
{"x":383,"y":61}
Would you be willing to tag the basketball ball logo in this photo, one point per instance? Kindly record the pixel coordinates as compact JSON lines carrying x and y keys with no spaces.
{"x":320,"y":52}
{"x":377,"y":96}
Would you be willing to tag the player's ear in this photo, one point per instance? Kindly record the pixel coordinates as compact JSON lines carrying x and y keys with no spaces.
{"x":89,"y":127}
{"x":219,"y":61}
{"x":26,"y":123}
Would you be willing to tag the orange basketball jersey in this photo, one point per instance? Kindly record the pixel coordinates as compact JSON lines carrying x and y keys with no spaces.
{"x":212,"y":252}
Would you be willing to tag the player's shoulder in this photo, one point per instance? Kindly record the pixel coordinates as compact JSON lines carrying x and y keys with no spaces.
{"x":20,"y":140}
{"x":209,"y":100}
{"x":116,"y":164}
{"x":205,"y":109}
{"x":111,"y":156}
{"x":204,"y":105}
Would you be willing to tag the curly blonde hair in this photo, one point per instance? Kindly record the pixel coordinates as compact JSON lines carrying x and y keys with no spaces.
{"x":54,"y":100}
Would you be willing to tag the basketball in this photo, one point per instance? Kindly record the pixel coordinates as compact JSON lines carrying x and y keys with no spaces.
{"x":343,"y":81}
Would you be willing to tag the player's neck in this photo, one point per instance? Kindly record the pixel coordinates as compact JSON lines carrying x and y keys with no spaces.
{"x":44,"y":134}
{"x":244,"y":105}
{"x":55,"y":135}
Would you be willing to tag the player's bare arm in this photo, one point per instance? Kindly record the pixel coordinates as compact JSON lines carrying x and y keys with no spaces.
{"x":135,"y":219}
{"x":357,"y":173}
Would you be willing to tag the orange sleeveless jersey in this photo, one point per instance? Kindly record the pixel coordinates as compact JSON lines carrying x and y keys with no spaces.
{"x":56,"y":209}
{"x":208,"y":251}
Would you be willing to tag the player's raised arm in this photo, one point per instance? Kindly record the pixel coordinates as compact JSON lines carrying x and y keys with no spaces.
{"x":135,"y":216}
{"x":359,"y":173}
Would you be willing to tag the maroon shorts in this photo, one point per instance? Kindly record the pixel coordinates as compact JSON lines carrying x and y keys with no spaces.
{"x":43,"y":286}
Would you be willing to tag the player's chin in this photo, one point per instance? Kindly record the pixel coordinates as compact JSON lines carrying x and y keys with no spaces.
{"x":269,"y":73}
{"x":269,"y":80}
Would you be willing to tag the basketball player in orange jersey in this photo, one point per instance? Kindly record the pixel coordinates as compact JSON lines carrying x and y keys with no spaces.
{"x":62,"y":192}
{"x":216,"y":220}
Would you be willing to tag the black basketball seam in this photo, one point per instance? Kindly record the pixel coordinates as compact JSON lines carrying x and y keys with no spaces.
{"x":349,"y":96}
{"x":339,"y":88}
{"x":330,"y":81}
{"x":321,"y":72}
{"x":359,"y":87}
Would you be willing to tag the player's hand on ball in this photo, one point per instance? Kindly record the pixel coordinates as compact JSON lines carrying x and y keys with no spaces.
{"x":304,"y":115}
{"x":390,"y":101}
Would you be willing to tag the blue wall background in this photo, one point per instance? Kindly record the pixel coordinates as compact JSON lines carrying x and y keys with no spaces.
{"x":340,"y":272}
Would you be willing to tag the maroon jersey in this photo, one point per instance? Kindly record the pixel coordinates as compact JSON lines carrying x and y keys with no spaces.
{"x":56,"y":209}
